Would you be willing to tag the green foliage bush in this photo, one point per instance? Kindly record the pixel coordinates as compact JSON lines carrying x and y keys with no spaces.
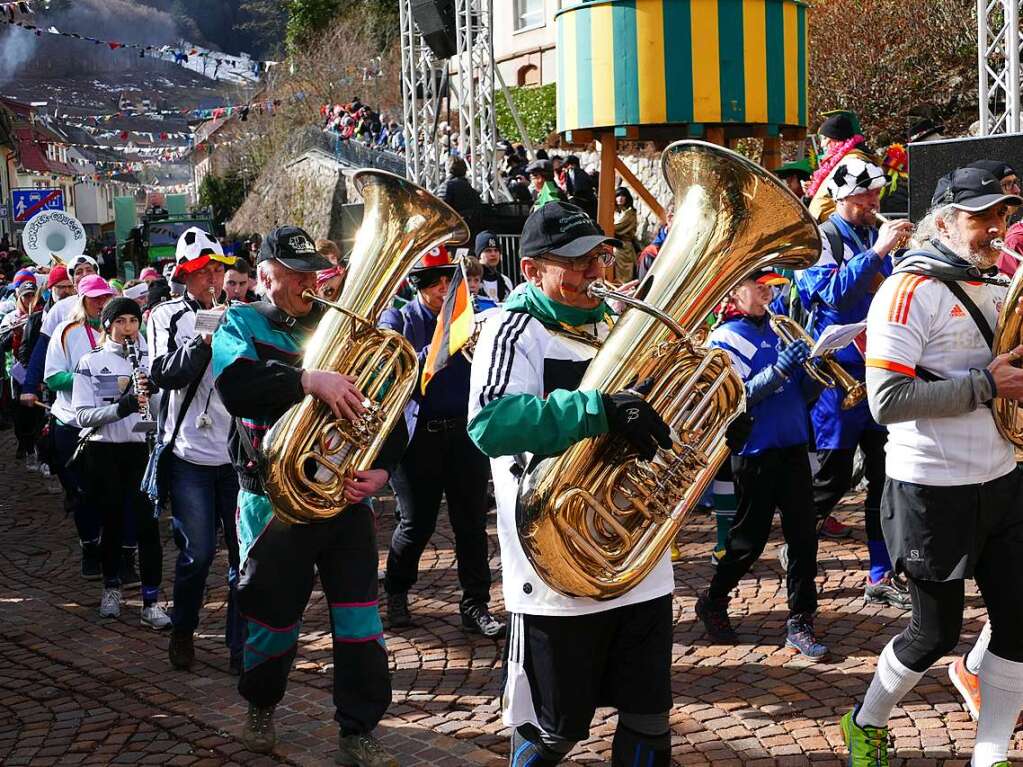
{"x":537,"y":106}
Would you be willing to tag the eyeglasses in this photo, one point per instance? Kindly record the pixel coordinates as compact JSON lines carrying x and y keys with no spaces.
{"x":583,"y":263}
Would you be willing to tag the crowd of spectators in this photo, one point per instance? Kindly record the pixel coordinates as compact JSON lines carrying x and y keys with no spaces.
{"x":356,"y":121}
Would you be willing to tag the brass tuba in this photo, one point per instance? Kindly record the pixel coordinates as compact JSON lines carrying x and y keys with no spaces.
{"x":308,"y":453}
{"x":1009,"y":335}
{"x":595,"y":520}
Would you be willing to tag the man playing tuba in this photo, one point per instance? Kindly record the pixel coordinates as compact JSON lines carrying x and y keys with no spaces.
{"x":257,"y":357}
{"x":951,"y":508}
{"x":567,"y":655}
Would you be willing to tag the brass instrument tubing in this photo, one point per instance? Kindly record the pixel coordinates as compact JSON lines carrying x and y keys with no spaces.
{"x":603,"y":292}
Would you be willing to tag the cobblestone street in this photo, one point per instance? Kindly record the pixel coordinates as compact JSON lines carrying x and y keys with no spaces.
{"x":75,"y":689}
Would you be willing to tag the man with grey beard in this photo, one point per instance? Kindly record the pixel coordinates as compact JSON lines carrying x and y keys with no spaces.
{"x":951,"y":507}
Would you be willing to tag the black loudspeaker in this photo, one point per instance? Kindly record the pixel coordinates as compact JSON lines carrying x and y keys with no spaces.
{"x":930,"y":160}
{"x":436,"y":22}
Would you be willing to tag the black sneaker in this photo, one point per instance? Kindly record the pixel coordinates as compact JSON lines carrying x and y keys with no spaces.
{"x":478,"y":620}
{"x":181,"y":650}
{"x":398,"y":615}
{"x":92,"y":562}
{"x":128,"y":572}
{"x":714,"y":614}
{"x":891,"y":590}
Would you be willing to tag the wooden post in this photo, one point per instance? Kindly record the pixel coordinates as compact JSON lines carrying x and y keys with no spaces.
{"x":715,"y":134}
{"x":606,"y":188}
{"x":771,"y":158}
{"x":639,"y":188}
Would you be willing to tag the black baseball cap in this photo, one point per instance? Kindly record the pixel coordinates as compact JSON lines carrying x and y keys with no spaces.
{"x":996,"y":168}
{"x":972,"y":190}
{"x":561,"y":229}
{"x":294,"y":248}
{"x":543,"y":168}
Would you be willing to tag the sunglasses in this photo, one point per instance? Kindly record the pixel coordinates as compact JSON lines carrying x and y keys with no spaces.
{"x":583,"y":263}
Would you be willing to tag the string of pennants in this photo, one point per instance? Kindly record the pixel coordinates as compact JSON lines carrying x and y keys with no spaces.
{"x":124,"y":135}
{"x":177,"y":55}
{"x":9,"y":9}
{"x":268,"y":106}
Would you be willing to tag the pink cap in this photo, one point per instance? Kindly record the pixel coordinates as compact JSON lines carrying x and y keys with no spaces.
{"x":149,"y":272}
{"x":94,"y":286}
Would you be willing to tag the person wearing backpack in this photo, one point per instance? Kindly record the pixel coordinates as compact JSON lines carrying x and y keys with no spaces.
{"x":838,"y":290}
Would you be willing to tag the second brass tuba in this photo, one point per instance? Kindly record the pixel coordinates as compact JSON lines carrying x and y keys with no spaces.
{"x":308,"y":453}
{"x":1008,"y":335}
{"x":595,"y":520}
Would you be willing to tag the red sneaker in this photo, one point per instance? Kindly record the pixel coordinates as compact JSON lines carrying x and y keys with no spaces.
{"x":832,"y":528}
{"x":968,"y":685}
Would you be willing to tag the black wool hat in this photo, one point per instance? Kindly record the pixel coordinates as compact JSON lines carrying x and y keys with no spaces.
{"x":118,"y":306}
{"x":840,"y":126}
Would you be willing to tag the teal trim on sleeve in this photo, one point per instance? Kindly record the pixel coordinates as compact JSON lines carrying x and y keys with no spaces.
{"x":62,"y":381}
{"x":525,"y":423}
{"x":233,"y":340}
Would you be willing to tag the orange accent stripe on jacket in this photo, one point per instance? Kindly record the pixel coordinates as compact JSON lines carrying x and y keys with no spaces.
{"x":895,"y":367}
{"x":899,"y":310}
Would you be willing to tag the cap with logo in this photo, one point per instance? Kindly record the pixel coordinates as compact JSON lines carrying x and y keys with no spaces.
{"x":294,"y":248}
{"x":80,"y":259}
{"x":485,"y":240}
{"x":996,"y":168}
{"x":436,"y":263}
{"x":561,"y":229}
{"x":194,"y":250}
{"x":972,"y":190}
{"x":24,"y":282}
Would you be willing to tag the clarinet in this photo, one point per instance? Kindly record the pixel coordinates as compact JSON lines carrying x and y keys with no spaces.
{"x":146,"y":423}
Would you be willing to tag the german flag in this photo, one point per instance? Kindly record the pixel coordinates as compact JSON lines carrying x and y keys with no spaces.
{"x":454,"y":327}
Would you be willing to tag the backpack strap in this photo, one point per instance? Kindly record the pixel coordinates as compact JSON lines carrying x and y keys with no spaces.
{"x":978,"y":316}
{"x":835,"y":241}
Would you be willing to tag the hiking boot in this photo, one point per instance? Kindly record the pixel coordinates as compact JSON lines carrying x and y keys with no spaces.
{"x":110,"y":603}
{"x":128,"y":572}
{"x":92,"y":562}
{"x":868,"y":746}
{"x":476,"y":619}
{"x":362,"y":750}
{"x":155,"y":617}
{"x":259,"y":735}
{"x":714,"y":614}
{"x":398,"y":615}
{"x":800,"y":636}
{"x":890,"y":590}
{"x":832,"y":528}
{"x":181,"y":650}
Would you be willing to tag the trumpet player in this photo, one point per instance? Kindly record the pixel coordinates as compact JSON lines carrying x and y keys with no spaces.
{"x":114,"y":457}
{"x":838,"y":290}
{"x":257,"y":358}
{"x":951,"y":507}
{"x":771,"y":469}
{"x":567,"y":655}
{"x":194,"y":427}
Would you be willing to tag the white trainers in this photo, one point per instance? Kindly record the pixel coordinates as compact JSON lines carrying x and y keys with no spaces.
{"x":110,"y":604}
{"x":155,"y":617}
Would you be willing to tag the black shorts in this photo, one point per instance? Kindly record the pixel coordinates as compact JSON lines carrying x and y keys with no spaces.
{"x":939,"y":533}
{"x":560,"y":669}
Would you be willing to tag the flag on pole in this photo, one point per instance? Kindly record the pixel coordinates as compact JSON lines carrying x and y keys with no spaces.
{"x":454,"y":327}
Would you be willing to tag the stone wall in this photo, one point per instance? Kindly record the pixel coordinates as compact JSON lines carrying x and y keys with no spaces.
{"x":646,"y":164}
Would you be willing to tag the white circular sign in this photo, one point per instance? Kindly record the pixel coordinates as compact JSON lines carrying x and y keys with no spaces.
{"x":53,"y":234}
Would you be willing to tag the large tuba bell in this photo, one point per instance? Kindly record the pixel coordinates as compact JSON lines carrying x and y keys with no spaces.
{"x":308,"y":453}
{"x":53,"y":237}
{"x":1008,"y":335}
{"x":595,"y":520}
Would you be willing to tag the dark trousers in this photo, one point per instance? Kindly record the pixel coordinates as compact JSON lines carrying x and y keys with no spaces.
{"x":113,"y":476}
{"x":87,"y":517}
{"x":834,"y":478}
{"x":202,"y":499}
{"x":28,"y":422}
{"x":276,"y":581}
{"x":441,"y":462}
{"x":777,"y":478}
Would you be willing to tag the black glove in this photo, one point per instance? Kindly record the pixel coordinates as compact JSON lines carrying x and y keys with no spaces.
{"x":127,"y":404}
{"x":632,"y":417}
{"x":792,"y":357}
{"x":738,"y":432}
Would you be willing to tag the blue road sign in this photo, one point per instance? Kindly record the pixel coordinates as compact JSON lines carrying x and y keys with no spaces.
{"x":28,"y":202}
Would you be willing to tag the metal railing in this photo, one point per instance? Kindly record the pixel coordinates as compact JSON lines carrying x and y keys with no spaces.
{"x":355,"y":154}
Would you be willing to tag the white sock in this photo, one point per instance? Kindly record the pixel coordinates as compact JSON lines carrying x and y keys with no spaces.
{"x":890,"y":684}
{"x":1001,"y":690}
{"x":976,"y":654}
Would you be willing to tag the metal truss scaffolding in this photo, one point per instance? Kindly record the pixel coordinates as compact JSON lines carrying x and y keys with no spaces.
{"x":423,"y":78}
{"x":998,"y":65}
{"x":424,"y":82}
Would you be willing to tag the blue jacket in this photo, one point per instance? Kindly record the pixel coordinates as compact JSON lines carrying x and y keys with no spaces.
{"x":780,"y":418}
{"x":447,"y":396}
{"x":838,"y":290}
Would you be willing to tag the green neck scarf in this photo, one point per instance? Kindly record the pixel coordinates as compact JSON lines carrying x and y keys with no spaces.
{"x":534,"y":302}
